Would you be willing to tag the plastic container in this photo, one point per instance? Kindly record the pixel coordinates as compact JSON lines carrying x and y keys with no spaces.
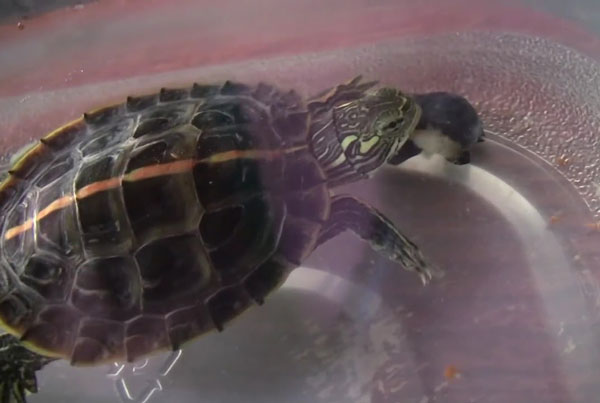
{"x":516,"y":317}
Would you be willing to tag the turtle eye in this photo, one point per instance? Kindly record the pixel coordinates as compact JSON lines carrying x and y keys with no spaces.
{"x":394,"y":124}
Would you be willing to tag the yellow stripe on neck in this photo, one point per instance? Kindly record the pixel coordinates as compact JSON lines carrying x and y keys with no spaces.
{"x":366,"y":146}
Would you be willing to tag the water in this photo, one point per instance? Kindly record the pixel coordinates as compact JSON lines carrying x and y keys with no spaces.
{"x":517,"y":312}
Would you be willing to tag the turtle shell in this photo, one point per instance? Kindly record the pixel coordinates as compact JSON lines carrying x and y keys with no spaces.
{"x":145,"y":224}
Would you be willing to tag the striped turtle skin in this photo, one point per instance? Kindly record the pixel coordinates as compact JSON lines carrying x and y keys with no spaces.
{"x":145,"y":224}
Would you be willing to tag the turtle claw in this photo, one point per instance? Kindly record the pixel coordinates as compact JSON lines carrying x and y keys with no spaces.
{"x":428,"y":273}
{"x":425,"y":278}
{"x":409,"y":255}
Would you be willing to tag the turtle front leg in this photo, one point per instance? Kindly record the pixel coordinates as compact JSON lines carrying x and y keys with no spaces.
{"x":348,"y":213}
{"x":17,"y":370}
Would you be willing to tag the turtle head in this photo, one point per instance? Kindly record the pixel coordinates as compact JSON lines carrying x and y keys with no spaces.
{"x":355,"y":129}
{"x":372,"y":128}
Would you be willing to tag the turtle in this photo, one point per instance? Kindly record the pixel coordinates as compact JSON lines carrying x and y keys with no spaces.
{"x":145,"y":224}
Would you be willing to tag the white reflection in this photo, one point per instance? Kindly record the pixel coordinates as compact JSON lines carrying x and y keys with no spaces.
{"x":146,"y":368}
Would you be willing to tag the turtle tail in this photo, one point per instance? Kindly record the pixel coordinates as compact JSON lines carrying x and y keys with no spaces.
{"x":17,"y":370}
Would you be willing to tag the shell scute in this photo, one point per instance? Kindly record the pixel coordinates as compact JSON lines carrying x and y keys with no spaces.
{"x":10,"y":188}
{"x":254,"y":238}
{"x":55,"y":330}
{"x":18,"y":246}
{"x":207,"y":120}
{"x":227,"y":112}
{"x":266,"y":278}
{"x":17,"y":310}
{"x":228,"y":303}
{"x":264,"y":92}
{"x":285,"y":101}
{"x":108,"y":137}
{"x":236,"y":180}
{"x":302,"y":172}
{"x":139,"y":103}
{"x":162,"y":118}
{"x":187,"y":323}
{"x":56,"y":172}
{"x":103,"y":116}
{"x":174,"y":271}
{"x":102,"y":217}
{"x":235,"y":88}
{"x":204,"y":90}
{"x":292,"y":127}
{"x":137,"y":342}
{"x":33,"y":162}
{"x":88,"y":350}
{"x":97,"y":340}
{"x":297,"y":239}
{"x":58,"y":231}
{"x":108,"y":288}
{"x":218,"y":226}
{"x":160,"y":213}
{"x":64,"y":137}
{"x":151,"y":126}
{"x":173,"y":94}
{"x":48,"y":276}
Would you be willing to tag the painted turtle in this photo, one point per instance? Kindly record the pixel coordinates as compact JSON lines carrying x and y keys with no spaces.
{"x":145,"y":224}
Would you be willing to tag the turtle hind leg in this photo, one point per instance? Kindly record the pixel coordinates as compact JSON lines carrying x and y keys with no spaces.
{"x":348,"y":213}
{"x":17,"y":370}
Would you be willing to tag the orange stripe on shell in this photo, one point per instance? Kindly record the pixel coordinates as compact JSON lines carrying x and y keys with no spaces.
{"x":147,"y":172}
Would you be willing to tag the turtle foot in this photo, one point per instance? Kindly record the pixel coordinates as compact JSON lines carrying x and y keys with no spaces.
{"x":18,"y":366}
